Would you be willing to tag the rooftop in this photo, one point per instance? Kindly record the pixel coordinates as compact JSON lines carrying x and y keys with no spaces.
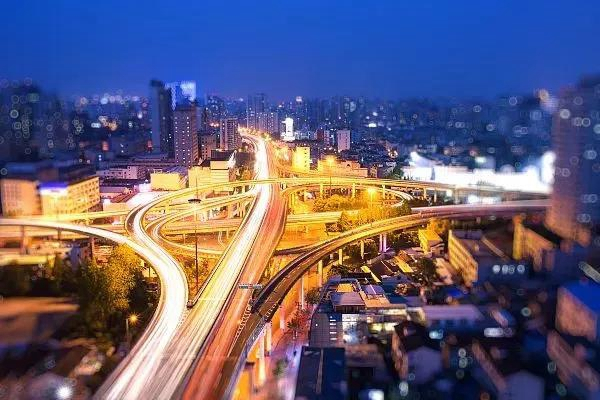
{"x":586,"y":292}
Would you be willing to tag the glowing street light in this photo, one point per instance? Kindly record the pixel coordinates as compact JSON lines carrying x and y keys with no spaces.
{"x":64,"y":392}
{"x":132,"y":319}
{"x":371,"y":191}
{"x":195,"y":201}
{"x":330,"y":160}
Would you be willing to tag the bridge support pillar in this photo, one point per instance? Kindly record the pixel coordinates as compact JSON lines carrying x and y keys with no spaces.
{"x":321,"y":189}
{"x":382,"y":192}
{"x":434,"y":196}
{"x":362,"y":249}
{"x":260,"y":359}
{"x":382,"y":242}
{"x":354,"y":190}
{"x":268,"y":338}
{"x":301,"y":292}
{"x":93,"y":247}
{"x":23,"y":243}
{"x":320,"y":273}
{"x":281,"y":317}
{"x":340,"y":256}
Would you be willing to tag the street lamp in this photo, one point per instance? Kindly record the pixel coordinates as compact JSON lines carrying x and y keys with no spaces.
{"x":371,"y":192}
{"x":195,"y":201}
{"x":132,"y":319}
{"x":330,"y":160}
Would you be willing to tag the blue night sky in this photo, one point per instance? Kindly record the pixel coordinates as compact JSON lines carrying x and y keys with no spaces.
{"x":387,"y":49}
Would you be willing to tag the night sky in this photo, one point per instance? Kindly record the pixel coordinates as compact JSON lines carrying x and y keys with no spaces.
{"x":387,"y":49}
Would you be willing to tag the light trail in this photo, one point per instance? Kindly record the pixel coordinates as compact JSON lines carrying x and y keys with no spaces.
{"x":145,"y":355}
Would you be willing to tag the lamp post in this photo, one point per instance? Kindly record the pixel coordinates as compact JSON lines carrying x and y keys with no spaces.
{"x":195,"y":201}
{"x":371,"y":192}
{"x":132,"y":319}
{"x":330,"y":161}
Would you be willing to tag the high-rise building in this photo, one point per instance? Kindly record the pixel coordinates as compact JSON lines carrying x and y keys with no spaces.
{"x":182,"y":92}
{"x":161,"y":115}
{"x":229,"y":137}
{"x":256,"y":104}
{"x":343,"y":140}
{"x":301,"y":158}
{"x":574,"y":207}
{"x":268,"y":122}
{"x":287,"y":129}
{"x":185,"y":134}
{"x":208,"y":143}
{"x":215,"y":107}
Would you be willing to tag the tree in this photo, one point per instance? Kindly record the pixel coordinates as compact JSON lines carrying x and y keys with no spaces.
{"x":427,"y":267}
{"x":345,"y":223}
{"x":439,"y":226}
{"x":397,"y":172}
{"x":313,"y":296}
{"x":280,"y":367}
{"x":106,"y":290}
{"x":294,"y":325}
{"x":15,"y":280}
{"x":94,"y":305}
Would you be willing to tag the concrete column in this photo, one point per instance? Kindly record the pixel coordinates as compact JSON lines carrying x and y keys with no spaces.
{"x":268,"y":338}
{"x":362,"y":249}
{"x":384,"y":237}
{"x":281,"y":317}
{"x":23,"y":243}
{"x":340,"y":257}
{"x":301,"y":292}
{"x":260,"y":359}
{"x":353,"y":190}
{"x":321,"y":189}
{"x":380,"y":243}
{"x":320,"y":273}
{"x":383,"y":192}
{"x":93,"y":246}
{"x":435,"y":196}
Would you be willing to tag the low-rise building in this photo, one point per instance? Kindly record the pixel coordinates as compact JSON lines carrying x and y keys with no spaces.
{"x":478,"y":260}
{"x":125,"y":172}
{"x":301,"y":158}
{"x":49,"y":188}
{"x":174,"y":178}
{"x":577,"y":364}
{"x":546,"y":250}
{"x":321,"y":374}
{"x":20,"y":197}
{"x":219,"y":169}
{"x":500,"y":370}
{"x":431,"y":242}
{"x":578,"y":310}
{"x":70,"y":197}
{"x":332,"y":166}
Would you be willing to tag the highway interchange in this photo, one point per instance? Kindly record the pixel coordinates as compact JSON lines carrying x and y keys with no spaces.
{"x":192,"y":348}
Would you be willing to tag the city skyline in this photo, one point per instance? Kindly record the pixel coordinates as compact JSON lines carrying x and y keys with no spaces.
{"x":324,"y":49}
